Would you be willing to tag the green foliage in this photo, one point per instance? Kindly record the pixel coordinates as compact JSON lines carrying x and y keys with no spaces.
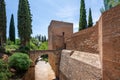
{"x":113,"y":3}
{"x":10,"y":48}
{"x":82,"y":22}
{"x":2,"y":22}
{"x":41,"y":38}
{"x":45,"y":57}
{"x":19,"y":61}
{"x":12,"y":29}
{"x":90,"y":21}
{"x":2,"y":49}
{"x":34,"y":44}
{"x":4,"y":70}
{"x":109,"y":4}
{"x":44,"y":46}
{"x":9,"y":42}
{"x":24,"y":22}
{"x":17,"y":41}
{"x":24,"y":49}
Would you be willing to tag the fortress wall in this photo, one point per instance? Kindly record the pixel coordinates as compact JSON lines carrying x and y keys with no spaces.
{"x":79,"y":63}
{"x":75,"y":65}
{"x":85,"y":40}
{"x":103,"y":38}
{"x":110,"y":44}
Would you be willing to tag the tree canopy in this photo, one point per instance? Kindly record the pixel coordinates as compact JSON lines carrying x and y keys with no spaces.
{"x":2,"y":22}
{"x":90,"y":21}
{"x":82,"y":21}
{"x":12,"y":29}
{"x":24,"y":22}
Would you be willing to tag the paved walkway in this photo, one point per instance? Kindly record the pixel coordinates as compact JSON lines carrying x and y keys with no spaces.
{"x":43,"y":71}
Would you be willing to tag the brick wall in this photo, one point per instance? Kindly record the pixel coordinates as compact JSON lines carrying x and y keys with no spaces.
{"x":84,"y":40}
{"x":56,"y":32}
{"x":110,"y":44}
{"x":103,"y":39}
{"x":54,"y":60}
{"x":30,"y":74}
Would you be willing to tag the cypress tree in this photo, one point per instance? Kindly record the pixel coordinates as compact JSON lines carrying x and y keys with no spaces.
{"x":24,"y":22}
{"x":12,"y":29}
{"x":82,"y":22}
{"x":90,"y":21}
{"x":2,"y":22}
{"x":42,"y":38}
{"x":39,"y":37}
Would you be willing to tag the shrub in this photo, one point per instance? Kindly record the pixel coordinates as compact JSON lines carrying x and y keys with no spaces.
{"x":2,"y":49}
{"x":33,"y":46}
{"x":17,"y":41}
{"x":44,"y":46}
{"x":20,"y":62}
{"x":24,"y":49}
{"x":4,"y":70}
{"x":9,"y":42}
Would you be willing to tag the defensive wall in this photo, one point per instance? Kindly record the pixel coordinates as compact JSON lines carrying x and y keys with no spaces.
{"x":99,"y":44}
{"x":85,"y":40}
{"x":109,"y":44}
{"x":90,"y":54}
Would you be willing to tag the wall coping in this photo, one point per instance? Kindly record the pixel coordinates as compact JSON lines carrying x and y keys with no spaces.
{"x":85,"y":57}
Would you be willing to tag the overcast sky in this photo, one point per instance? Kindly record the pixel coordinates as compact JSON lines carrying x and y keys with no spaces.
{"x":43,"y":11}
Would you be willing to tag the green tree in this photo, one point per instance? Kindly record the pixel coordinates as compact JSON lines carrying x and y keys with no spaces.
{"x":2,"y":22}
{"x":90,"y":21}
{"x":12,"y":29}
{"x":24,"y":22}
{"x":42,"y":39}
{"x":39,"y":38}
{"x":82,"y":22}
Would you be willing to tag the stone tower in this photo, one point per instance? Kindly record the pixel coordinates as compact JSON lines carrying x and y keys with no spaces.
{"x":58,"y":31}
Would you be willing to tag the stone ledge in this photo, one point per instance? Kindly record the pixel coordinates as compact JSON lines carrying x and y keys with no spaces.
{"x":88,"y":58}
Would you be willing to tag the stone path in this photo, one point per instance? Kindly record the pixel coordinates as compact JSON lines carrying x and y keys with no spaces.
{"x":43,"y":71}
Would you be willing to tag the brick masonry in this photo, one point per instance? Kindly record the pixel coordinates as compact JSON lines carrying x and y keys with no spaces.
{"x":103,"y":39}
{"x":94,"y":53}
{"x":110,"y":43}
{"x":85,"y":40}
